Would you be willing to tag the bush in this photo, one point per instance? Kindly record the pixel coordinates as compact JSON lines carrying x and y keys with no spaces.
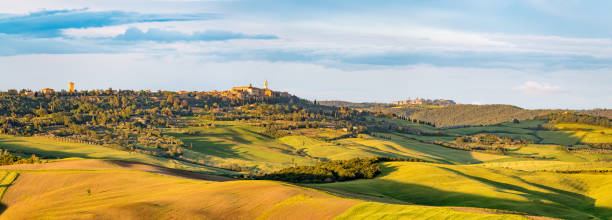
{"x":7,"y":159}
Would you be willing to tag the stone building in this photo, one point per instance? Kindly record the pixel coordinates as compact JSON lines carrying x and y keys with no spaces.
{"x":47,"y":90}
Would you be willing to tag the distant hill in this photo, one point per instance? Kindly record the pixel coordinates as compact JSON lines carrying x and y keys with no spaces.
{"x":465,"y":115}
{"x":600,"y":112}
{"x":456,"y":115}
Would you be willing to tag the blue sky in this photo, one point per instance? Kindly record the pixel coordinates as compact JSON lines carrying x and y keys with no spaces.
{"x":529,"y":53}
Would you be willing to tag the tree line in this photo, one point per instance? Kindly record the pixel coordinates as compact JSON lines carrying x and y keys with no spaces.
{"x":333,"y":171}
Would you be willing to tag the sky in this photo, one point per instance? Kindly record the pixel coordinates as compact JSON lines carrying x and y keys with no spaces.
{"x":529,"y":53}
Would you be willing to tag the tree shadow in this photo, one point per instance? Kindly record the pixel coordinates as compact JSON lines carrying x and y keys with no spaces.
{"x":425,"y":195}
{"x":563,"y":199}
{"x":217,"y":148}
{"x":21,"y":146}
{"x":2,"y":208}
{"x":543,"y":201}
{"x":442,"y":156}
{"x":557,"y":137}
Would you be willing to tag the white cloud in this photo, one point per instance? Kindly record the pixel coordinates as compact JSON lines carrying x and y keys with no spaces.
{"x":532,"y":87}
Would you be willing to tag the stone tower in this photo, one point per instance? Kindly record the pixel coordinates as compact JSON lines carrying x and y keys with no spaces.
{"x":71,"y":86}
{"x":266,"y":84}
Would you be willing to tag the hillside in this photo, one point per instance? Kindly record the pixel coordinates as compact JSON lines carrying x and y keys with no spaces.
{"x":568,"y":196}
{"x":112,"y":192}
{"x":48,"y":148}
{"x":464,"y":115}
{"x":600,"y":112}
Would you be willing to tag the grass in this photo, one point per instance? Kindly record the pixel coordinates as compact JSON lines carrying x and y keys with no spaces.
{"x":552,"y":152}
{"x":56,"y":149}
{"x":488,"y":129}
{"x":245,"y":146}
{"x":126,"y":194}
{"x":431,"y":138}
{"x":586,"y":133}
{"x":551,"y":165}
{"x":370,"y":210}
{"x":556,"y":137}
{"x":398,"y":146}
{"x":567,"y":134}
{"x":138,"y":195}
{"x":242,"y":145}
{"x":6,"y":179}
{"x":569,"y":196}
{"x":322,"y":149}
{"x":529,"y":124}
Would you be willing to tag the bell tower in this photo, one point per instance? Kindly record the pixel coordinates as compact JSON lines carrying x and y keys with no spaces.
{"x":266,"y":84}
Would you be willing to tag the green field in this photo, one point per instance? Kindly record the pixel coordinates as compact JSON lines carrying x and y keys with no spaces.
{"x":550,"y":152}
{"x":49,"y":148}
{"x":587,"y":133}
{"x":242,"y":145}
{"x":571,"y":196}
{"x":524,"y":127}
{"x":550,"y":165}
{"x":389,"y":211}
{"x":564,"y":133}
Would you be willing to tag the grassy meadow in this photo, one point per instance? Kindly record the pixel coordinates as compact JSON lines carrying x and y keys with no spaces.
{"x":570,"y":196}
{"x":587,"y":133}
{"x":50,"y":148}
{"x":52,"y":193}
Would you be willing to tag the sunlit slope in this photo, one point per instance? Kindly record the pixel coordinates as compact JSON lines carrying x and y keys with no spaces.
{"x":241,"y":145}
{"x":572,"y":196}
{"x":247,"y":146}
{"x":562,"y":134}
{"x":52,"y":148}
{"x":587,"y":133}
{"x":397,"y":146}
{"x":105,"y":191}
{"x":369,"y":210}
{"x":138,"y":195}
{"x":551,"y":165}
{"x":6,"y":179}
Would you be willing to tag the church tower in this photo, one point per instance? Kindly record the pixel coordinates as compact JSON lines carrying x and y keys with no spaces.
{"x":71,"y":86}
{"x":268,"y":92}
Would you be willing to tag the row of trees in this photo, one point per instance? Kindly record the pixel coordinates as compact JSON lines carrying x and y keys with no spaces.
{"x":332,"y":171}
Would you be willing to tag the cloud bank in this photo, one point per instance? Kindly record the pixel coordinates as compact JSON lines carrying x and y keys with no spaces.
{"x":50,"y":23}
{"x":531,"y":87}
{"x":135,"y":34}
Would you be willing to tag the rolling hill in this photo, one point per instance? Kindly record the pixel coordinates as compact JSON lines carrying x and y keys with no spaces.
{"x":93,"y":189}
{"x":568,"y":196}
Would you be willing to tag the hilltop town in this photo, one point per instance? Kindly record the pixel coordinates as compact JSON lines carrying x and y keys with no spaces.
{"x":241,"y":92}
{"x":422,"y":101}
